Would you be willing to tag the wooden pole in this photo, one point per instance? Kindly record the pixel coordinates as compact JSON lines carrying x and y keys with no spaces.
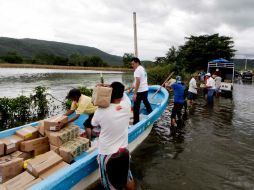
{"x":135,"y":35}
{"x":163,"y":84}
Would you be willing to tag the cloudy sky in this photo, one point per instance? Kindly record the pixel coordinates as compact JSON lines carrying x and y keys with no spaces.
{"x":108,"y":24}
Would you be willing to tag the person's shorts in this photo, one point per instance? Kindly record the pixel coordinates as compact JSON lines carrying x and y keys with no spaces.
{"x":115,"y":169}
{"x":192,"y":96}
{"x":176,"y":110}
{"x":87,"y":123}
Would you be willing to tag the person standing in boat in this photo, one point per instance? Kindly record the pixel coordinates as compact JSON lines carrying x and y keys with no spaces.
{"x":140,"y":89}
{"x":113,"y":157}
{"x":179,"y":99}
{"x":210,"y":85}
{"x":80,"y":104}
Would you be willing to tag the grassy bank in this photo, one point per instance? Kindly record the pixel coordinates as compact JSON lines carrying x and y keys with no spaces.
{"x":10,"y":65}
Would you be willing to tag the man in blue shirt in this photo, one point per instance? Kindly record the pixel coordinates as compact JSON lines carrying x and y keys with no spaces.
{"x":179,"y":90}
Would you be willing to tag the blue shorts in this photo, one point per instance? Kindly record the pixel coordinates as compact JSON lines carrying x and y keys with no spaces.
{"x":115,"y":169}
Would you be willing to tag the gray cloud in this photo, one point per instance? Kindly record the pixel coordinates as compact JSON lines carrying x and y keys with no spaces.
{"x":107,"y":24}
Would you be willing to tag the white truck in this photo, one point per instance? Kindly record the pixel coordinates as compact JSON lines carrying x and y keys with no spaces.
{"x":226,"y":71}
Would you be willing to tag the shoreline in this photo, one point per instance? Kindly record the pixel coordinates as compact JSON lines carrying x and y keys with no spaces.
{"x":35,"y":66}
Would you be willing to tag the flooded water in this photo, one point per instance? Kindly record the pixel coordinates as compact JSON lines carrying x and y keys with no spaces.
{"x":213,"y":151}
{"x":14,"y":82}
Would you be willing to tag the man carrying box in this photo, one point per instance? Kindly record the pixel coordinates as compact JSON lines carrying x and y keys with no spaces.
{"x":80,"y":104}
{"x":113,"y":157}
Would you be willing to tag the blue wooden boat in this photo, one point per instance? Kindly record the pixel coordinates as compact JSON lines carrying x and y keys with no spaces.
{"x":84,"y":171}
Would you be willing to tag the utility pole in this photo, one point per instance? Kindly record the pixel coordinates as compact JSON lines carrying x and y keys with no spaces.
{"x":135,"y":35}
{"x":246,"y":63}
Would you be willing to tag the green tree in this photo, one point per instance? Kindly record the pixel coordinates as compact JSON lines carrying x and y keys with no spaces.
{"x":96,"y":61}
{"x":127,"y":59}
{"x":171,"y":55}
{"x":198,"y":50}
{"x":12,"y":57}
{"x":75,"y":60}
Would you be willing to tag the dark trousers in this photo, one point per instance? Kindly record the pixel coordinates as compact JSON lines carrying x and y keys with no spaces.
{"x":141,"y":96}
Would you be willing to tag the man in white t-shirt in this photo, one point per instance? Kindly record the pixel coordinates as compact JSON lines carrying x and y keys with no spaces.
{"x":192,"y":91}
{"x":210,"y":85}
{"x":140,"y":87}
{"x":113,"y":157}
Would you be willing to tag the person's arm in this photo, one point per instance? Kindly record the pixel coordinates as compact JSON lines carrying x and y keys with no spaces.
{"x":69,"y":112}
{"x":63,"y":124}
{"x":195,"y":85}
{"x":136,"y":89}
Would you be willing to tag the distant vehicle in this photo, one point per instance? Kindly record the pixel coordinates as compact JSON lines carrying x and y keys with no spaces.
{"x":237,"y":74}
{"x":247,"y":75}
{"x":226,"y":71}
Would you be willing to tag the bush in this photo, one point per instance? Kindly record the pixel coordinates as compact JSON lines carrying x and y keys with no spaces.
{"x":158,"y":74}
{"x":20,"y":110}
{"x":12,"y":57}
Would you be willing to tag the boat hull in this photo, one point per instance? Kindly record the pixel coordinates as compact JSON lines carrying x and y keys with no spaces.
{"x":93,"y":178}
{"x":84,"y":171}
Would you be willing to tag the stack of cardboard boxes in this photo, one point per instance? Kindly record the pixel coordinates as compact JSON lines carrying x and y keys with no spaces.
{"x":43,"y":149}
{"x":66,"y":142}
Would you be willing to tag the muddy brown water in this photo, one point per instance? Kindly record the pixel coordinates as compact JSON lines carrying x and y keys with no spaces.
{"x":215,"y":149}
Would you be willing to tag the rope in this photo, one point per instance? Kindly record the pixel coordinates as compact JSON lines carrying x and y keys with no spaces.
{"x":55,"y":98}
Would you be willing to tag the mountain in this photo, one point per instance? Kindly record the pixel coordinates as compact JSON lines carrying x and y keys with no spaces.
{"x":240,"y":64}
{"x":29,"y":48}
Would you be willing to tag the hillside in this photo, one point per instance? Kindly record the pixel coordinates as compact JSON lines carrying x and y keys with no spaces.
{"x":30,"y":48}
{"x":240,"y":64}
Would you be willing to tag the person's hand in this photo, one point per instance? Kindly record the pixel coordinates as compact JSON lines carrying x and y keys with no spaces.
{"x":134,"y":97}
{"x":129,"y":90}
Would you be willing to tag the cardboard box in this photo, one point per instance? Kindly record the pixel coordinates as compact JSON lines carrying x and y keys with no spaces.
{"x":38,"y":180}
{"x":73,"y":148}
{"x":53,"y":170}
{"x":102,"y":96}
{"x":9,"y":167}
{"x":43,"y":162}
{"x":1,"y":148}
{"x":41,"y":150}
{"x":66,"y":134}
{"x":28,"y":133}
{"x":54,"y":148}
{"x":34,"y":144}
{"x":11,"y":143}
{"x":19,"y":182}
{"x":24,"y":155}
{"x":41,"y":128}
{"x":51,"y":123}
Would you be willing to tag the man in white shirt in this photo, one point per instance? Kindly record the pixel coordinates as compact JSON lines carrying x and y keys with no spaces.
{"x":140,"y":89}
{"x":210,"y":85}
{"x":192,"y":91}
{"x":113,"y":157}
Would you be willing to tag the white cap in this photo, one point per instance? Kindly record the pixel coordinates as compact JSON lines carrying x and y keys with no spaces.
{"x":208,"y":74}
